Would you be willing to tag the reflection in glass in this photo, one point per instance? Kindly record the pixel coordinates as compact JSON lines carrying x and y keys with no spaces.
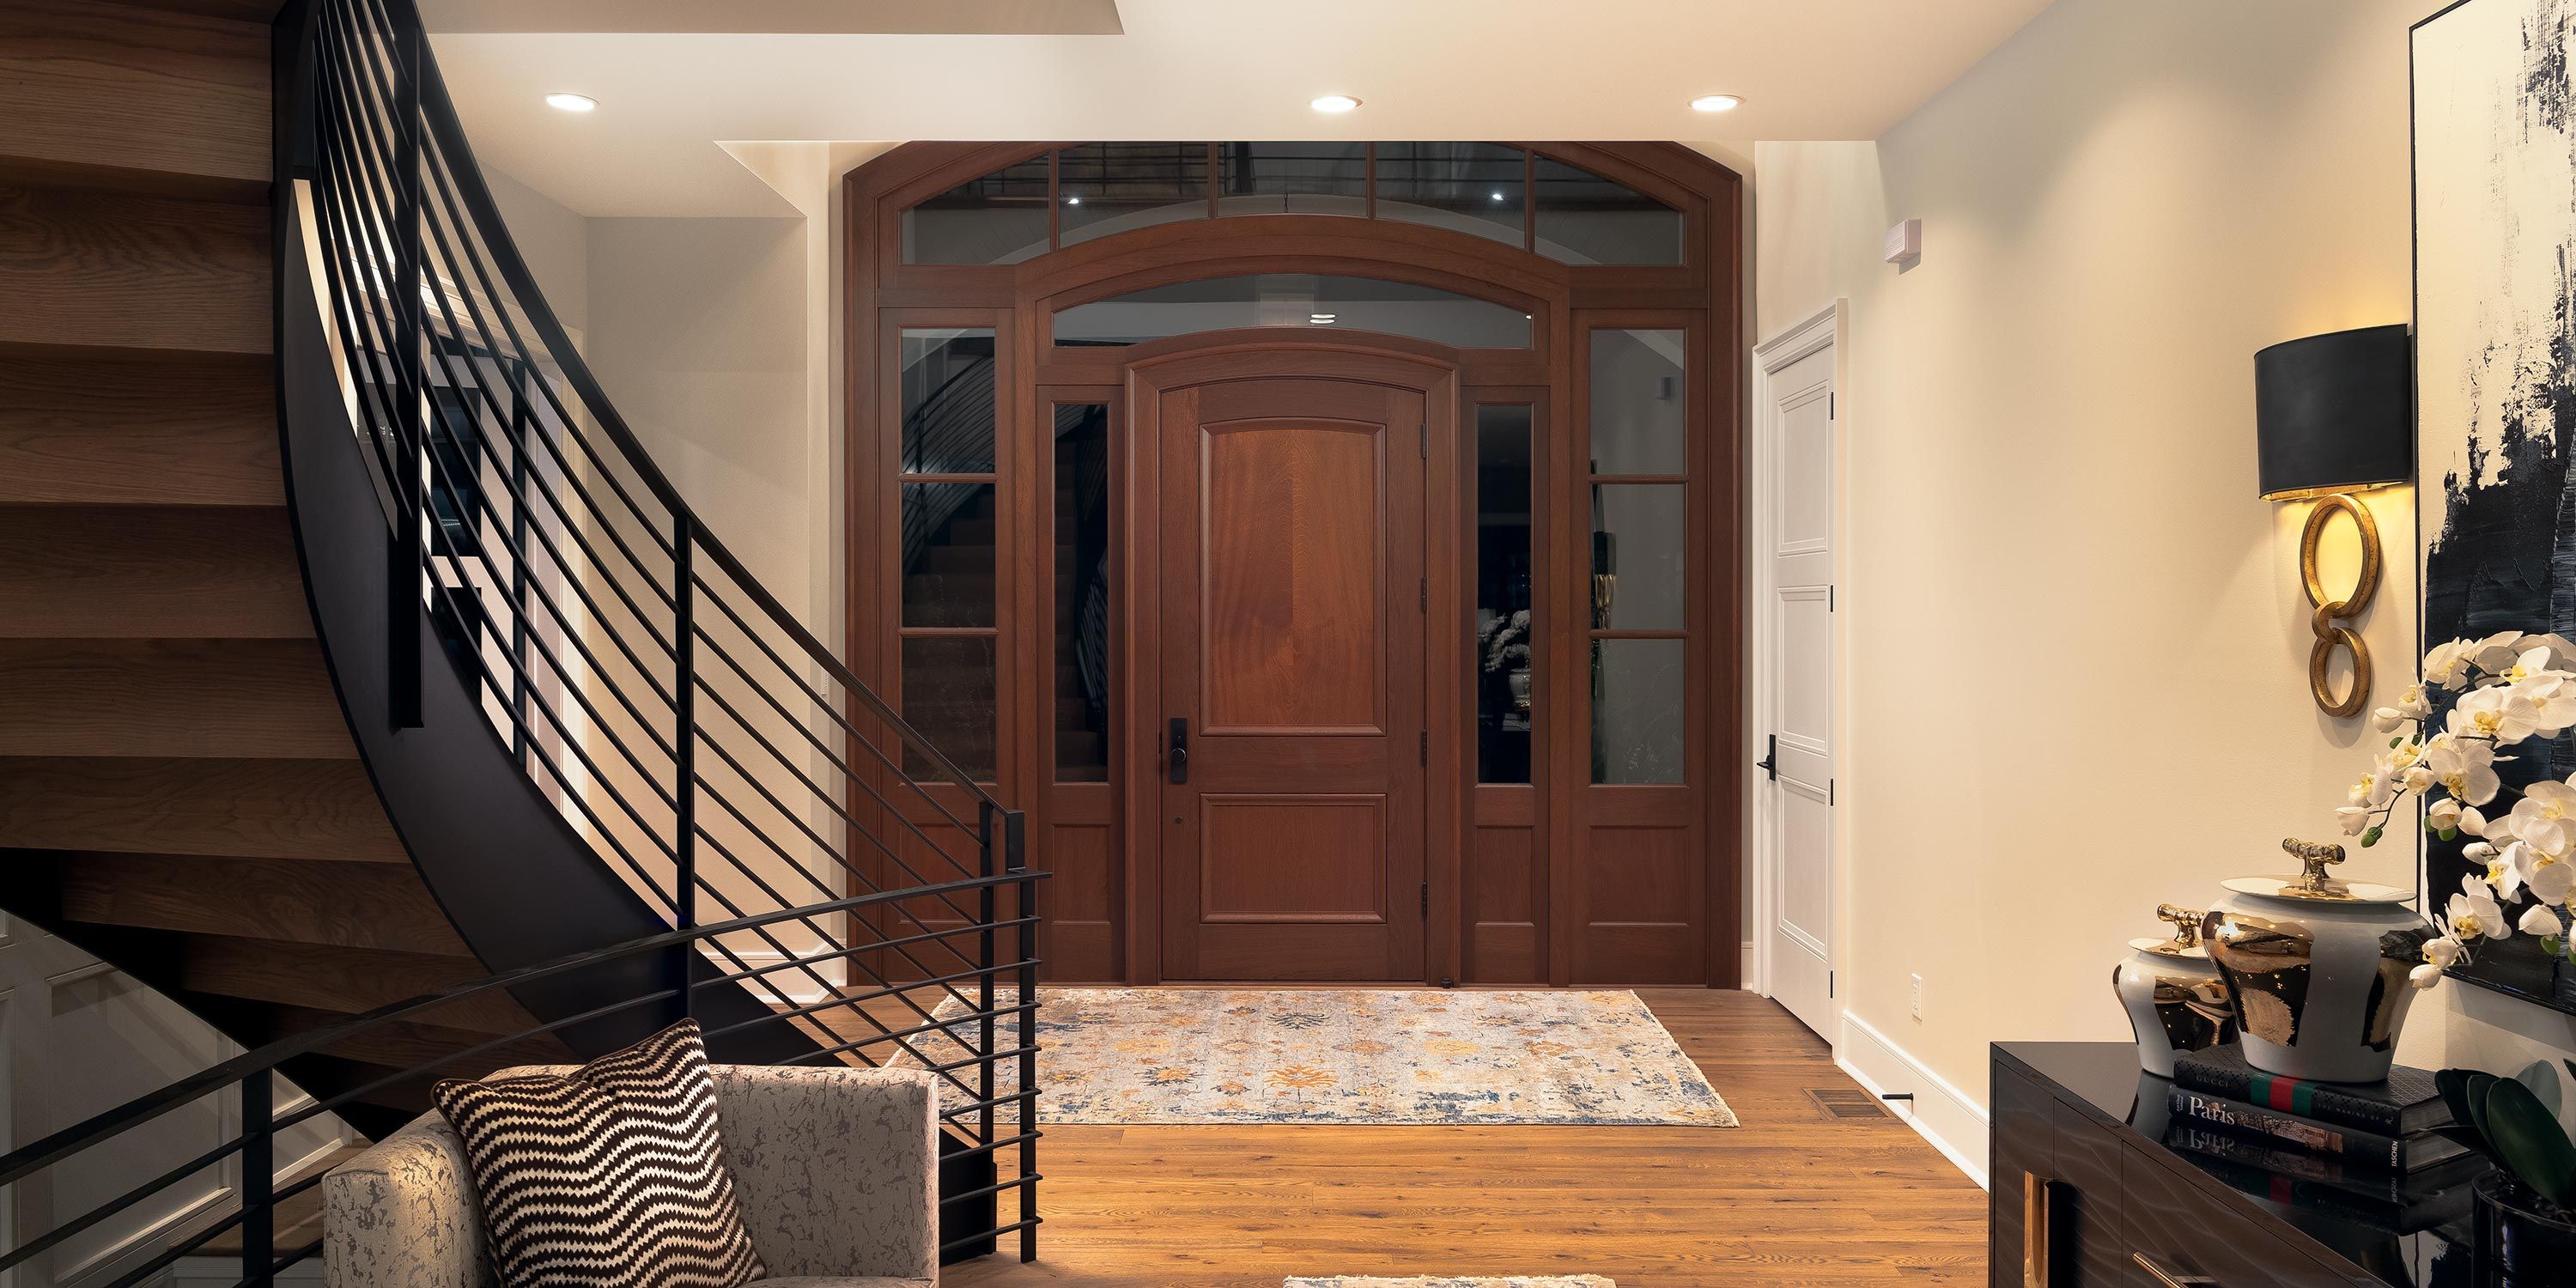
{"x":1637,"y":711}
{"x":1106,"y":188}
{"x":1292,"y":178}
{"x":1640,"y":403}
{"x":1637,"y":543}
{"x":949,"y":401}
{"x":947,"y":554}
{"x":1503,"y":624}
{"x":998,"y":219}
{"x":948,"y":697}
{"x":1474,"y":188}
{"x":1082,"y":593}
{"x":1586,"y":219}
{"x":1295,"y":300}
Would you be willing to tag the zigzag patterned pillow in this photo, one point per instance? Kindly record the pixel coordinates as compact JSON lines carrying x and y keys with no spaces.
{"x":608,"y":1176}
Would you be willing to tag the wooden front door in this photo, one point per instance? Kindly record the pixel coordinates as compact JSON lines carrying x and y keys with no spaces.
{"x":1292,"y":603}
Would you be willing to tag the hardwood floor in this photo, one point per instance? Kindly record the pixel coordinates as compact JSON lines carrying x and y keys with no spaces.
{"x":1793,"y":1197}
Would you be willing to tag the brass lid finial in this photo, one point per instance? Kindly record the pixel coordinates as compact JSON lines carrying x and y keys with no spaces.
{"x":2186,"y":936}
{"x":2314,"y":858}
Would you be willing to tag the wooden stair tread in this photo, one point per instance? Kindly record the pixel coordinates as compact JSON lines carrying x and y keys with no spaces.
{"x":129,"y":270}
{"x":314,"y":810}
{"x":103,"y":427}
{"x":351,"y":905}
{"x":228,"y":699}
{"x":187,"y":572}
{"x":154,"y":95}
{"x":404,"y":1044}
{"x":349,"y":981}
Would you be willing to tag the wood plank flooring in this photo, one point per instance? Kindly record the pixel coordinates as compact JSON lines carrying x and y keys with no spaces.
{"x":1795,"y":1196}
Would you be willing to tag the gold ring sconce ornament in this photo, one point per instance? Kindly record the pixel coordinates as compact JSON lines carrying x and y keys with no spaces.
{"x":2335,"y":414}
{"x":2328,"y":612}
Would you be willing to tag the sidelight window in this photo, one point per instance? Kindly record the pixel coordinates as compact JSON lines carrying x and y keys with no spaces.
{"x":1640,"y":522}
{"x":1082,"y":663}
{"x":948,"y":528}
{"x":1506,"y":629}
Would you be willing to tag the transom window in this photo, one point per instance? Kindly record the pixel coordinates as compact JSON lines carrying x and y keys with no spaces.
{"x":1295,"y":300}
{"x":1491,"y":190}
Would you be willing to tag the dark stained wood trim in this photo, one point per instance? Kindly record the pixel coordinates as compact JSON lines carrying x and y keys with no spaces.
{"x":1704,"y":295}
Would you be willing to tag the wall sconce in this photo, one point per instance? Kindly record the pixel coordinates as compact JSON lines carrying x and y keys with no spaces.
{"x":2333,"y":415}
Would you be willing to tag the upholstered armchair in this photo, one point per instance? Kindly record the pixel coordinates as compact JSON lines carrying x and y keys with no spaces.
{"x":836,"y":1170}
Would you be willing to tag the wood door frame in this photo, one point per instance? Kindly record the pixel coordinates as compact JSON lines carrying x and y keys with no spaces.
{"x":1150,"y":371}
{"x":1563,"y":299}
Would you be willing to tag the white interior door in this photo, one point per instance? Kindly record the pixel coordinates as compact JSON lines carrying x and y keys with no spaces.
{"x":1794,"y":679}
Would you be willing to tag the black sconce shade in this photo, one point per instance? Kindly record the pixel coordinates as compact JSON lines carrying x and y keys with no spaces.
{"x":2335,"y":412}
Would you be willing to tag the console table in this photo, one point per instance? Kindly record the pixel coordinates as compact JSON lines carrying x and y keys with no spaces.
{"x":2086,"y":1193}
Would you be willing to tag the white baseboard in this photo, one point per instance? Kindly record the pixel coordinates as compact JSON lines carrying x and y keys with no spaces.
{"x":795,"y":987}
{"x":1744,"y":971}
{"x":1944,"y":1115}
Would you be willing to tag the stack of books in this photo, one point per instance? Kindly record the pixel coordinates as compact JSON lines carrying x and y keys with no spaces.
{"x":2364,"y":1152}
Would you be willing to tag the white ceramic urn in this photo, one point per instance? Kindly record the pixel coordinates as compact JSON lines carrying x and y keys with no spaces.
{"x":2172,"y":992}
{"x":2316,"y":968}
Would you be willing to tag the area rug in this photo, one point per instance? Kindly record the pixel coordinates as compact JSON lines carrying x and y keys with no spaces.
{"x":1484,"y":1281}
{"x":1359,"y":1056}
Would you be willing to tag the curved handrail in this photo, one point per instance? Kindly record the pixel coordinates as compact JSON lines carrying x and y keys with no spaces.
{"x":439,"y":114}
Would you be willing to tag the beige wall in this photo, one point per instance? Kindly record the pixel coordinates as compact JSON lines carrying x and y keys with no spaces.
{"x":2074,"y":641}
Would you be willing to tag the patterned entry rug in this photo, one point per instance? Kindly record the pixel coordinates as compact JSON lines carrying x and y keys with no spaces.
{"x":1486,"y":1281}
{"x":1360,"y":1056}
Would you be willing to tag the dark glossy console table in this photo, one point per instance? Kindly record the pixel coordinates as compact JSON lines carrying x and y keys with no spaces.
{"x":2086,"y":1193}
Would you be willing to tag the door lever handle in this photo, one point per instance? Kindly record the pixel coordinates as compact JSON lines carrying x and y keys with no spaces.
{"x":1770,"y":762}
{"x":1177,"y":762}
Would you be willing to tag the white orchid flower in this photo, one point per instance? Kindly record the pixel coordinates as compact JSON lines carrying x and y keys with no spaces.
{"x":2353,"y":819}
{"x":2496,"y":652}
{"x":2476,"y":915}
{"x":2505,"y":869}
{"x":2374,"y":789}
{"x":2545,"y":817}
{"x":2424,"y":976}
{"x":2448,"y":664}
{"x":2441,"y":951}
{"x":2443,"y":815}
{"x":2550,"y":878}
{"x":2540,"y":920}
{"x":2500,"y":714}
{"x":2464,"y":766}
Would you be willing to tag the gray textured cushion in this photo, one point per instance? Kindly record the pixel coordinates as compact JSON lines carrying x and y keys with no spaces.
{"x":835,"y":1171}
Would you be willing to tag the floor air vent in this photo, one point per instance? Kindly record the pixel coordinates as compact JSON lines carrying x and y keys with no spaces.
{"x":1846,"y":1102}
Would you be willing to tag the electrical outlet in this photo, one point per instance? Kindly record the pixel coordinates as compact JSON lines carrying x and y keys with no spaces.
{"x":1917,"y":995}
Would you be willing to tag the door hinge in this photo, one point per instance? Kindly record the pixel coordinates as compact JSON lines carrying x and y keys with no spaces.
{"x":1426,"y":594}
{"x":1426,"y":441}
{"x":1426,"y":898}
{"x":1426,"y":746}
{"x":1829,"y":599}
{"x":1829,"y":404}
{"x":1829,"y":791}
{"x":1829,"y":983}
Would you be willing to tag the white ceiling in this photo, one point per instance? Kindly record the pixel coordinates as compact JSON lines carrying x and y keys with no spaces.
{"x":835,"y":70}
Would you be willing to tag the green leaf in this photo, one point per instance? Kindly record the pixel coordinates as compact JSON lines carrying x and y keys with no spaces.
{"x":2529,"y":1141}
{"x":2371,"y":837}
{"x":2392,"y":743}
{"x":2460,"y":1090}
{"x":2449,"y":834}
{"x":2542,"y":1078}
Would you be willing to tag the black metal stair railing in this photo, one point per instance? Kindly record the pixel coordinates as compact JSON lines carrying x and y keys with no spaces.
{"x":702,"y":743}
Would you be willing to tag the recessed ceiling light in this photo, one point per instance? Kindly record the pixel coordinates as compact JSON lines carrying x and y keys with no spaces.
{"x":1498,"y":196}
{"x":1073,"y":201}
{"x":1323,"y":319}
{"x":1716,"y":103}
{"x":572,"y":102}
{"x":1334,"y":103}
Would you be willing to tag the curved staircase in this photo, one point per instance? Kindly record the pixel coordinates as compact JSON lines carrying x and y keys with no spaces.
{"x":367,"y":689}
{"x":179,"y":793}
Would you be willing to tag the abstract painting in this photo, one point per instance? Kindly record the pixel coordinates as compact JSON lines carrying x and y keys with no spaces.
{"x":2495,"y":367}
